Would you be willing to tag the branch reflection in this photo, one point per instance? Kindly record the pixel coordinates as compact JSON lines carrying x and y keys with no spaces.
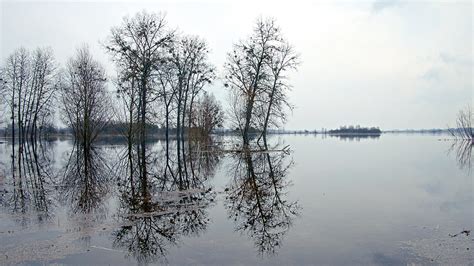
{"x":86,"y":181}
{"x":31,"y":182}
{"x":163,"y":196}
{"x":463,"y":152}
{"x":257,"y":197}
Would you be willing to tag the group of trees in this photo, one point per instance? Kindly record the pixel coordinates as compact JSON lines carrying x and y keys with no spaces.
{"x":28,"y":85}
{"x":161,"y":79}
{"x":161,"y":75}
{"x":356,"y":130}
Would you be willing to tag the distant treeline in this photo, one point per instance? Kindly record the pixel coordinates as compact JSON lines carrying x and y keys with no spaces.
{"x":115,"y":128}
{"x":427,"y":131}
{"x":356,"y":130}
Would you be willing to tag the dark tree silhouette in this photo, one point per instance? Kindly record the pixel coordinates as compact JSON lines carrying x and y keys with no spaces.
{"x":85,"y":102}
{"x":137,"y":47}
{"x":29,"y":83}
{"x":282,"y":59}
{"x":256,"y":75}
{"x":192,"y":72}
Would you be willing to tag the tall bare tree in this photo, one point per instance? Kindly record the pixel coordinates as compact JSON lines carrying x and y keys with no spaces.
{"x":464,"y":125}
{"x":31,"y":83}
{"x":3,"y":95}
{"x":255,"y":73}
{"x":86,"y":104}
{"x":282,"y":59}
{"x":43,"y":87}
{"x":17,"y":75}
{"x":193,"y":72}
{"x":137,"y":46}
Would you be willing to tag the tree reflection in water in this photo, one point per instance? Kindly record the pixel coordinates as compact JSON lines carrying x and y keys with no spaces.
{"x":463,"y":152}
{"x":86,"y":180}
{"x":163,"y":196}
{"x":164,"y":192}
{"x":257,"y":198}
{"x":31,"y":182}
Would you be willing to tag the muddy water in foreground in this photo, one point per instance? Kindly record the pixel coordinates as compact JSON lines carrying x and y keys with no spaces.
{"x":395,"y":200}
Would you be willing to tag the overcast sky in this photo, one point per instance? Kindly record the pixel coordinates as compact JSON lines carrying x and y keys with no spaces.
{"x":392,"y":64}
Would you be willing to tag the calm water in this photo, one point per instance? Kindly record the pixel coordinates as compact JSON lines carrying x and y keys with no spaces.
{"x":392,"y":200}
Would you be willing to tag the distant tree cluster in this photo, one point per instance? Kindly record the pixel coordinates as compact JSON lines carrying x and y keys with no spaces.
{"x":355,"y":130}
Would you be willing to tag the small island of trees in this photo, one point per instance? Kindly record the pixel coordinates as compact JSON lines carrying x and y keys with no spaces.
{"x":355,"y":130}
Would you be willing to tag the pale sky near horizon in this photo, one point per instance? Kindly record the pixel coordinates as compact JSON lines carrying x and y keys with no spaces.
{"x":393,"y":64}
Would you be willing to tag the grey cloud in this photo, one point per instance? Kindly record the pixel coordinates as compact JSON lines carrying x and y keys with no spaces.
{"x":451,"y":59}
{"x":432,"y":74}
{"x":380,"y":5}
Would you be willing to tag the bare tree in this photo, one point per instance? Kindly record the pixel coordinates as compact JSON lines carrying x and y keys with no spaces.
{"x":463,"y":135}
{"x":17,"y":75}
{"x":464,"y":129}
{"x":245,"y":69}
{"x":282,"y":59}
{"x":30,"y":81}
{"x":167,"y":83}
{"x":85,"y":102}
{"x":43,"y":87}
{"x":193,"y":72}
{"x":158,"y":67}
{"x":208,"y":115}
{"x":137,"y":46}
{"x":3,"y":95}
{"x":255,"y":73}
{"x":127,"y":94}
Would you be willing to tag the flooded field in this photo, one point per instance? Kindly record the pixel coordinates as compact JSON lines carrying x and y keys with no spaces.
{"x":391,"y":200}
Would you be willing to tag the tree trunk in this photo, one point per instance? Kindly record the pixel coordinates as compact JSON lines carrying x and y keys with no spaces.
{"x":248,"y":117}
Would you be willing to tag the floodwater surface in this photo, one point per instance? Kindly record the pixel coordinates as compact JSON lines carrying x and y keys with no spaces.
{"x":392,"y":200}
